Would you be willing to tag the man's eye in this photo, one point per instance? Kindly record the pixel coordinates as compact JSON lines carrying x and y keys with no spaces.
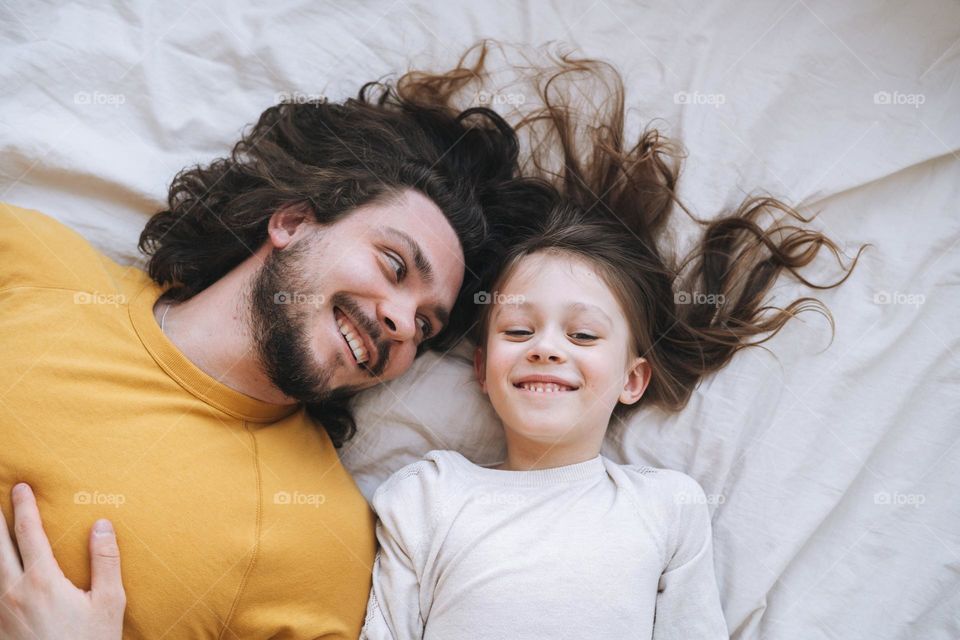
{"x":582,"y":336}
{"x":425,"y":328}
{"x":399,"y":269}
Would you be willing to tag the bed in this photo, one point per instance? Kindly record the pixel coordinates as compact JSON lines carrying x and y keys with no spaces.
{"x":831,"y":468}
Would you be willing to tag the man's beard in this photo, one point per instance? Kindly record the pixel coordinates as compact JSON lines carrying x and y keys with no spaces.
{"x":280,"y":333}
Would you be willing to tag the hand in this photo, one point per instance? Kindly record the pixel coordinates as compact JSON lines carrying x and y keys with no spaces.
{"x":37,"y":602}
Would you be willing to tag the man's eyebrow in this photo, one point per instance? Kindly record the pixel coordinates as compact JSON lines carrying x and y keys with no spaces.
{"x":424,"y":268}
{"x":442,"y":315}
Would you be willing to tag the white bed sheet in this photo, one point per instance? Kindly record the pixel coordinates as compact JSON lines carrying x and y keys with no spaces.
{"x":834,"y":471}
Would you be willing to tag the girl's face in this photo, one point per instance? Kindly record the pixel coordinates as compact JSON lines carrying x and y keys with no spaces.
{"x":558,"y":355}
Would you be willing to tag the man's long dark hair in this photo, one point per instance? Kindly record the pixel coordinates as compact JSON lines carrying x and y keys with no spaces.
{"x":332,"y":158}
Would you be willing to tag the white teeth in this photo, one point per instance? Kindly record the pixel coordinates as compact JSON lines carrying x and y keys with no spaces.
{"x":548,"y":387}
{"x":350,"y":333}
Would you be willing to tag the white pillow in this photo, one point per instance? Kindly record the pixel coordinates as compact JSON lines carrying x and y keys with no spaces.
{"x":437,"y":404}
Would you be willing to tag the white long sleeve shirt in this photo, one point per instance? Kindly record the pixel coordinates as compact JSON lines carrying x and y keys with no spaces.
{"x":590,"y":550}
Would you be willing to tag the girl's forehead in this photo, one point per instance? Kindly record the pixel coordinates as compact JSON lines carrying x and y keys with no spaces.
{"x":553,"y":282}
{"x":552,"y":269}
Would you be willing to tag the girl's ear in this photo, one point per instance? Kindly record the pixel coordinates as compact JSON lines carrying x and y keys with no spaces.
{"x":638,"y":377}
{"x":285,"y":223}
{"x":480,"y":368}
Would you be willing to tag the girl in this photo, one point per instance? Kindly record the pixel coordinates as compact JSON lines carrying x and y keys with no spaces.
{"x":586,"y":318}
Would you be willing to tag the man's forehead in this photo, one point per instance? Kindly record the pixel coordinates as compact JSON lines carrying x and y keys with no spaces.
{"x":412,"y":213}
{"x":407,"y":209}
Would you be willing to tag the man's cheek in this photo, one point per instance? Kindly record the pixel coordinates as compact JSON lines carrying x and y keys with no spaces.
{"x":401,"y":361}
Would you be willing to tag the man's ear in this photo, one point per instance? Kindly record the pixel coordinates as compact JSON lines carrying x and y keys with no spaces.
{"x":638,"y":377}
{"x":286,"y":223}
{"x":480,"y":368}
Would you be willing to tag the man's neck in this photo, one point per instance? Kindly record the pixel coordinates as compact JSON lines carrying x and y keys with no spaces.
{"x":212,"y":330}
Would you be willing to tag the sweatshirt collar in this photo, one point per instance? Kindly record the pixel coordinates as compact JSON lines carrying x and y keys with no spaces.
{"x":188,"y":375}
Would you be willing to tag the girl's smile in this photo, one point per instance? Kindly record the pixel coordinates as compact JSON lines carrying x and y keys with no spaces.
{"x":556,"y":362}
{"x":545,"y":384}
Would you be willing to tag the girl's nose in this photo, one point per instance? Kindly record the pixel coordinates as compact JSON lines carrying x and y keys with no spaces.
{"x":545,"y":350}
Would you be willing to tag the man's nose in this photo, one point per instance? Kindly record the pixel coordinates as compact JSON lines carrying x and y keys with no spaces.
{"x":399,"y":320}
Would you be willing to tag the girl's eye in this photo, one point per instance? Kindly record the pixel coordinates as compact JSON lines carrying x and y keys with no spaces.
{"x":518,"y":332}
{"x":582,"y":336}
{"x":399,"y":269}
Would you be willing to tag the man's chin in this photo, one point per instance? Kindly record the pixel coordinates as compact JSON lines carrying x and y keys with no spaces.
{"x":334,"y":395}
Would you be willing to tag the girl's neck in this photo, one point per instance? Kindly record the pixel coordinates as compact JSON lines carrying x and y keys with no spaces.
{"x":526,"y":455}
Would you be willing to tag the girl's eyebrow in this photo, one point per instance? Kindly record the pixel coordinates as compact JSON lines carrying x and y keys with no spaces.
{"x":583,"y":307}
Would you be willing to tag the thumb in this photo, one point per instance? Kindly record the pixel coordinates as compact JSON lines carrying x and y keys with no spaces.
{"x":105,"y":583}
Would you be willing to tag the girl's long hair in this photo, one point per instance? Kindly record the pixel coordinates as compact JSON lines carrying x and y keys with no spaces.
{"x":593,"y":195}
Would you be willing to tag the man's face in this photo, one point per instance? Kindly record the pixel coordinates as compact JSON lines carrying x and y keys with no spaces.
{"x":342,"y":307}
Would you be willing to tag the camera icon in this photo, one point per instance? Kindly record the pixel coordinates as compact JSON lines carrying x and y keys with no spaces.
{"x":281,"y":497}
{"x":282,"y":297}
{"x":881,"y":297}
{"x":882,"y":97}
{"x":482,"y":297}
{"x":81,"y":497}
{"x":681,"y":97}
{"x":681,"y":297}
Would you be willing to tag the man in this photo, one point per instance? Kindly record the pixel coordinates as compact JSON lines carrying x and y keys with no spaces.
{"x":336,"y":243}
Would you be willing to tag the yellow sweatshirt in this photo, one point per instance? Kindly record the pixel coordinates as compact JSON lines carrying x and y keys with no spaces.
{"x":235,"y":518}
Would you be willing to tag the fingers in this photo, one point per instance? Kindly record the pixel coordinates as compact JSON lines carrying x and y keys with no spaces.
{"x":105,"y":582}
{"x":31,"y":539}
{"x":10,"y":569}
